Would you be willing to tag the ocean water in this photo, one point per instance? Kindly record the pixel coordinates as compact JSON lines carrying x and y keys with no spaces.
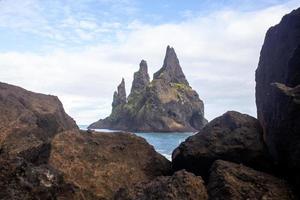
{"x":164,"y":143}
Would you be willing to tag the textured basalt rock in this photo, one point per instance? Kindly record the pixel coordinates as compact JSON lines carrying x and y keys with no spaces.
{"x":21,"y":180}
{"x":166,"y":104}
{"x":234,"y":137}
{"x":43,"y":154}
{"x":230,"y":181}
{"x":277,"y":94}
{"x":182,"y":185}
{"x":102,"y":163}
{"x":171,"y":70}
{"x":141,"y":80}
{"x":28,"y":121}
{"x":120,"y":95}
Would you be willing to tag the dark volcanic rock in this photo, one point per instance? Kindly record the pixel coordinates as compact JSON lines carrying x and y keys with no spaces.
{"x":102,"y":163}
{"x":234,"y":137}
{"x":165,"y":104}
{"x":120,"y":95}
{"x":141,"y":80}
{"x":182,"y":185}
{"x":20,"y":180}
{"x":43,"y":154}
{"x":28,"y":121}
{"x":277,"y":93}
{"x":230,"y":181}
{"x":171,"y":70}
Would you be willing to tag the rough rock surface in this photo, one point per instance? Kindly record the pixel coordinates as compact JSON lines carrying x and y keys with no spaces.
{"x":234,"y":137}
{"x":28,"y":121}
{"x":171,"y":70}
{"x":182,"y":185}
{"x":141,"y":80}
{"x":166,"y":104}
{"x":21,"y":180}
{"x":104,"y":162}
{"x":277,"y":93}
{"x":230,"y":181}
{"x":120,"y":95}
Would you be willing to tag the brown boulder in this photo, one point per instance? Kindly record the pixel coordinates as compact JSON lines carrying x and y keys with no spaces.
{"x":230,"y":181}
{"x":102,"y":163}
{"x":28,"y":121}
{"x":234,"y":137}
{"x":182,"y":185}
{"x":277,"y":94}
{"x":20,"y":180}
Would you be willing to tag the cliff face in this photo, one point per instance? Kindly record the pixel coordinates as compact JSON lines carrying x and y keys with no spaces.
{"x":167,"y":103}
{"x":277,"y":93}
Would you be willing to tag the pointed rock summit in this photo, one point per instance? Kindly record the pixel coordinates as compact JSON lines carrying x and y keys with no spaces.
{"x":166,"y":104}
{"x":140,"y":80}
{"x":120,"y":95}
{"x":171,"y":70}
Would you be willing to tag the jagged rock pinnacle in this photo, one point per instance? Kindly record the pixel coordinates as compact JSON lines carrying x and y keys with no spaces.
{"x":166,"y":104}
{"x":141,"y":79}
{"x":171,"y":70}
{"x":120,"y":95}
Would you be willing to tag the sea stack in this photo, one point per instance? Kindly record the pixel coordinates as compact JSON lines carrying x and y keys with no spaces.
{"x":141,"y":80}
{"x":165,"y":104}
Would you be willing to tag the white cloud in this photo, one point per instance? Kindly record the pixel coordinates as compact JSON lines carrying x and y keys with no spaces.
{"x":218,"y":52}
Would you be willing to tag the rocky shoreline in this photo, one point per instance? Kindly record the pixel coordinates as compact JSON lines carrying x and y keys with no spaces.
{"x":44,"y":155}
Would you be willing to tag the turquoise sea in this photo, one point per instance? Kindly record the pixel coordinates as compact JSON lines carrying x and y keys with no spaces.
{"x":164,"y":143}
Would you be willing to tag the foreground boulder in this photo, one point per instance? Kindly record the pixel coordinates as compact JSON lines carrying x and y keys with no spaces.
{"x":230,"y":181}
{"x":233,"y":136}
{"x":102,"y":163}
{"x":166,"y":104}
{"x":182,"y":185}
{"x":278,"y":93}
{"x":28,"y":121}
{"x":20,"y":180}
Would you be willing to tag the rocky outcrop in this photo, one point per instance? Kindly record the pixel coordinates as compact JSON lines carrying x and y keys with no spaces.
{"x":171,"y":71}
{"x":28,"y":121}
{"x":182,"y":185}
{"x":230,"y":181}
{"x":277,"y":93}
{"x":165,"y":104}
{"x":43,"y":154}
{"x":234,"y":137}
{"x":141,"y":80}
{"x":21,"y":180}
{"x":120,"y":95}
{"x":102,"y":163}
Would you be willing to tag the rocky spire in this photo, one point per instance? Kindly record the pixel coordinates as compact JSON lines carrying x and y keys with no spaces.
{"x":141,"y":79}
{"x":120,"y":95}
{"x":171,"y":70}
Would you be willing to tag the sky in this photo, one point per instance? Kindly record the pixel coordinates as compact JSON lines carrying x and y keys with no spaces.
{"x":80,"y":50}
